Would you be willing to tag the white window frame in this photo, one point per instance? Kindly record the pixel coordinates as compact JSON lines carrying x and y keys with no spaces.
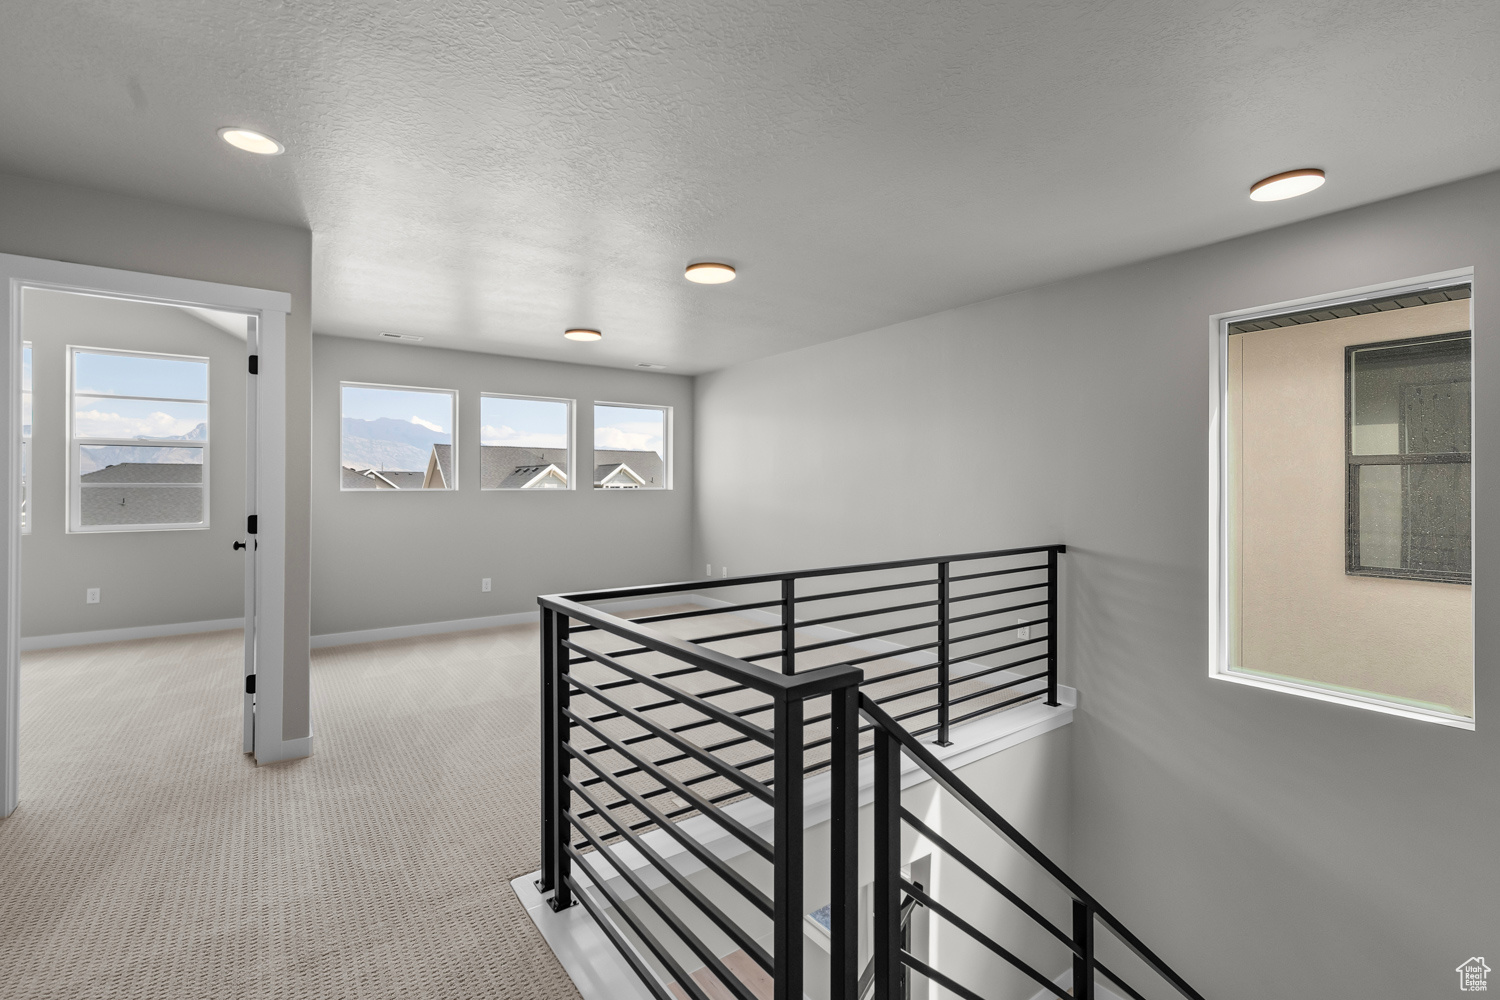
{"x":77,"y":443}
{"x":1219,"y":589}
{"x":572,"y":440}
{"x":452,"y":395}
{"x":666,"y":446}
{"x":28,"y":467}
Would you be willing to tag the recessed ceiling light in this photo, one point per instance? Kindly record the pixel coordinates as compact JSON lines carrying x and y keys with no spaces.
{"x":580,"y":334}
{"x":707,"y":273}
{"x":1287,"y":185}
{"x":251,"y":141}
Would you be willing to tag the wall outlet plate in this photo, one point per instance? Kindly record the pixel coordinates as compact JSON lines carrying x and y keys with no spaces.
{"x":484,"y":585}
{"x":1024,"y":631}
{"x":91,"y":596}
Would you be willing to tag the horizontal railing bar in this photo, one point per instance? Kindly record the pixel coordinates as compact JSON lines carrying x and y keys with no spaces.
{"x":973,"y":932}
{"x":996,"y":593}
{"x":858,"y":591}
{"x":724,"y":769}
{"x":685,"y":885}
{"x":733,"y":826}
{"x":649,"y":590}
{"x":642,"y":971}
{"x":701,"y":612}
{"x":627,"y":681}
{"x":999,"y":572}
{"x":858,"y":637}
{"x":682,"y":697}
{"x":956,"y":787}
{"x":1130,"y":990}
{"x":908,"y":693}
{"x":893,"y":609}
{"x":998,"y":649}
{"x":725,"y":744}
{"x":998,"y":687}
{"x":673,"y":921}
{"x":994,"y":883}
{"x":807,"y":683}
{"x":1001,"y":611}
{"x":658,"y":949}
{"x":964,"y":993}
{"x":741,"y":884}
{"x":896,"y":675}
{"x":1002,"y":628}
{"x":885,"y":656}
{"x":996,"y":707}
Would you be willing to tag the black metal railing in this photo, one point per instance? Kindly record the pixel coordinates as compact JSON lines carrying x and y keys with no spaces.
{"x":675,"y":758}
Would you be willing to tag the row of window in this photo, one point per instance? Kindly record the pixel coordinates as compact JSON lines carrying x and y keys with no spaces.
{"x":137,"y":440}
{"x":402,"y":438}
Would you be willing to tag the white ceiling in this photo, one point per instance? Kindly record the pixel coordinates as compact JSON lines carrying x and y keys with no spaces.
{"x":486,"y":174}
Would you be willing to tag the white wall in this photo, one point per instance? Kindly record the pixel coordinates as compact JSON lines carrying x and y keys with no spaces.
{"x":145,"y":577}
{"x":85,"y":226}
{"x":1268,"y":845}
{"x":385,"y":559}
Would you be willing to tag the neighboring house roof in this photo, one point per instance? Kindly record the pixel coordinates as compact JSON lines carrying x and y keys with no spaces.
{"x":439,"y":475}
{"x":498,"y":463}
{"x":531,"y":477}
{"x":367,"y":479}
{"x":618,"y":474}
{"x":145,"y":472}
{"x":402,"y":479}
{"x":646,"y":465}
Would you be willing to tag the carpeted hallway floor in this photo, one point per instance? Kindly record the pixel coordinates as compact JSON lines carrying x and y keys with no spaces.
{"x":150,"y":859}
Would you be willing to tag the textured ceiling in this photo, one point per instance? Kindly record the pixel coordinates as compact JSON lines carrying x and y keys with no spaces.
{"x":485,"y":174}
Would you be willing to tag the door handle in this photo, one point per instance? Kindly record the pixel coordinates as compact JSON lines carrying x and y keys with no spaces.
{"x":238,"y":546}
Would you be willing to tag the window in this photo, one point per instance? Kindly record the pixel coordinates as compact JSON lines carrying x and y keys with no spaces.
{"x":525,"y":443}
{"x":138,"y":441}
{"x":397,"y":438}
{"x":26,"y":438}
{"x":1408,"y":455}
{"x":1345,"y":513}
{"x":632,"y":447}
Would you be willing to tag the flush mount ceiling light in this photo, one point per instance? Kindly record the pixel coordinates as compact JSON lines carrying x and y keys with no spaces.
{"x":708,"y":273}
{"x":251,"y":141}
{"x":580,"y":334}
{"x":1288,"y":185}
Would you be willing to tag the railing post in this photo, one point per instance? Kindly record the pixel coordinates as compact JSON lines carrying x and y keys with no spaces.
{"x":885,"y":939}
{"x":562,"y":894}
{"x":1083,"y":959}
{"x":844,"y":842}
{"x":787,"y":935}
{"x":943,"y":691}
{"x":789,"y":626}
{"x":549,"y":752}
{"x":1052,"y":617}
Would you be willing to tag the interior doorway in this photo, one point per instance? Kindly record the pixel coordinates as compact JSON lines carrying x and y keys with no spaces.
{"x":145,"y":430}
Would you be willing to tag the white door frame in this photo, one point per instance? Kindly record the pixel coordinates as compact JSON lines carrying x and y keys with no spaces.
{"x":270,"y":308}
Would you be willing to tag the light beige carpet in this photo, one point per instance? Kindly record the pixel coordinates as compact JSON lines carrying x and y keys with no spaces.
{"x":150,"y":859}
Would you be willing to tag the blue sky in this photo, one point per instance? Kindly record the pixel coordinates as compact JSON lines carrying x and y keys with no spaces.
{"x":122,"y":375}
{"x":530,"y":423}
{"x":628,"y":428}
{"x":433,"y":410}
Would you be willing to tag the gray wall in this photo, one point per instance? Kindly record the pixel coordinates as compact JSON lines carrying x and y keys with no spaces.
{"x":145,"y":577}
{"x":85,"y":226}
{"x":400,"y":558}
{"x":1269,"y":845}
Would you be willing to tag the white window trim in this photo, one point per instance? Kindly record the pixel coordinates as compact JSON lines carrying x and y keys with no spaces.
{"x":570,"y":467}
{"x":28,"y":462}
{"x":452,"y":395}
{"x":1218,"y":666}
{"x":667,"y":445}
{"x":75,"y":443}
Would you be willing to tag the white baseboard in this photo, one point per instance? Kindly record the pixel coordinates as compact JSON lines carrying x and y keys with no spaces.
{"x":488,"y":621}
{"x":285,"y":750}
{"x":62,"y":639}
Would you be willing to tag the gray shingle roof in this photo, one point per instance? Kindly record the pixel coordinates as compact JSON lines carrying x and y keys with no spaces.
{"x":498,"y":463}
{"x":444,"y":453}
{"x":145,"y":472}
{"x":646,"y":464}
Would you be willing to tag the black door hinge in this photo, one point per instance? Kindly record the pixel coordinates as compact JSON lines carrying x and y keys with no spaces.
{"x":249,"y":683}
{"x":251,"y":524}
{"x":255,"y":364}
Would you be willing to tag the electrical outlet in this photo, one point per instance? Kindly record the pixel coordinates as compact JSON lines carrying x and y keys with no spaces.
{"x":1025,"y":631}
{"x":726,"y":571}
{"x":484,"y":585}
{"x":708,"y":569}
{"x":91,"y":596}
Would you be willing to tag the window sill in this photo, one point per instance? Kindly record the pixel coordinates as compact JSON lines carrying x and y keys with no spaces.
{"x":1342,"y":698}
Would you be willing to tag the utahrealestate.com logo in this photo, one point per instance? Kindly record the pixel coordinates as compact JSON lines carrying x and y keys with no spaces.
{"x":1473,"y":975}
